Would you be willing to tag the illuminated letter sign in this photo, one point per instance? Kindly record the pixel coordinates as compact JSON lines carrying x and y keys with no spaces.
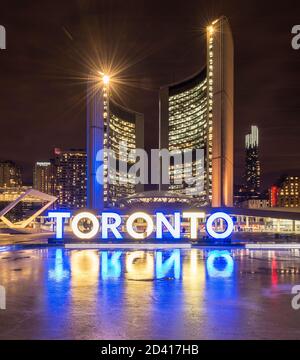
{"x":86,"y":225}
{"x":59,"y":216}
{"x":112,"y":226}
{"x":194,"y":218}
{"x":162,"y":220}
{"x":85,"y":235}
{"x":149,"y":225}
{"x":212,"y":232}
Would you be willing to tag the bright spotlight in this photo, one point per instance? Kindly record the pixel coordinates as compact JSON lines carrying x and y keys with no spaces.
{"x":210,"y":29}
{"x":105,"y":79}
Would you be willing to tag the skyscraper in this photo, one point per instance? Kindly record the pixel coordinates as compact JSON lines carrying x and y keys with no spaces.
{"x":252,"y":168}
{"x":116,"y":130}
{"x":44,"y":174}
{"x":10,"y":174}
{"x":198,"y":114}
{"x":71,"y":179}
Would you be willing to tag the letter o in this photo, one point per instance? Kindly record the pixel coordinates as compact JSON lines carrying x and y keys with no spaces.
{"x":80,"y":234}
{"x":212,"y":232}
{"x":131,"y":220}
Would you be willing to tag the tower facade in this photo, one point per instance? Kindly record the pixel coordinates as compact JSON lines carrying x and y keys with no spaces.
{"x":289,"y":193}
{"x":113,"y":132}
{"x":252,"y":166}
{"x":71,"y":179}
{"x":198,"y":114}
{"x":44,"y":174}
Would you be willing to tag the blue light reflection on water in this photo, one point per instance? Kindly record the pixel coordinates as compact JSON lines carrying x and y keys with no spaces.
{"x":111,"y":264}
{"x":59,"y":272}
{"x":98,"y":279}
{"x":139,"y":294}
{"x":57,"y":278}
{"x":110,"y":284}
{"x":171,"y":264}
{"x":220,"y":264}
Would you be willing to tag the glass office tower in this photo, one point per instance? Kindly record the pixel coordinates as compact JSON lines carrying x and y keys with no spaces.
{"x":252,"y":171}
{"x":187,"y":108}
{"x":70,"y":179}
{"x":198,"y":114}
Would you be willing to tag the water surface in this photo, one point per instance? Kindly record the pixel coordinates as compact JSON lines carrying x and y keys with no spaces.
{"x":53,"y":293}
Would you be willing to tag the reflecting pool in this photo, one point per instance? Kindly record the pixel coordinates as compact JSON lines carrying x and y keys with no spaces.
{"x":53,"y":293}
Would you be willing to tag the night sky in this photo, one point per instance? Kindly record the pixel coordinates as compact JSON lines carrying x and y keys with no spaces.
{"x":53,"y":45}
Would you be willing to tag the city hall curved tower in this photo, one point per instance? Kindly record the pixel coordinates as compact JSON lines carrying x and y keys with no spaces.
{"x":197,"y":113}
{"x":113,"y":134}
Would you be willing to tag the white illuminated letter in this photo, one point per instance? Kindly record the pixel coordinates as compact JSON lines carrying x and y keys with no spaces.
{"x":80,"y":234}
{"x":162,"y":220}
{"x":194,"y":217}
{"x":149,"y":228}
{"x":212,"y":232}
{"x":113,"y":227}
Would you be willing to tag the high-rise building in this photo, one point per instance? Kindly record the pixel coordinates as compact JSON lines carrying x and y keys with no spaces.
{"x":198,"y":114}
{"x":44,"y":174}
{"x":10,"y":174}
{"x":71,"y":179}
{"x":252,"y":168}
{"x":112,"y":132}
{"x":289,"y":192}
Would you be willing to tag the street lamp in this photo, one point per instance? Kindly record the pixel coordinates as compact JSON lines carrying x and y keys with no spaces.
{"x":105,"y":78}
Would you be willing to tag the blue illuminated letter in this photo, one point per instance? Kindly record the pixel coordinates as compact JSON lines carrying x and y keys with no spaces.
{"x":113,"y":227}
{"x":59,"y":216}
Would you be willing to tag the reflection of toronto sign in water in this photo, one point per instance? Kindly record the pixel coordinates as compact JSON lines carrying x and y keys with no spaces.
{"x":142,"y":264}
{"x":86,"y":225}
